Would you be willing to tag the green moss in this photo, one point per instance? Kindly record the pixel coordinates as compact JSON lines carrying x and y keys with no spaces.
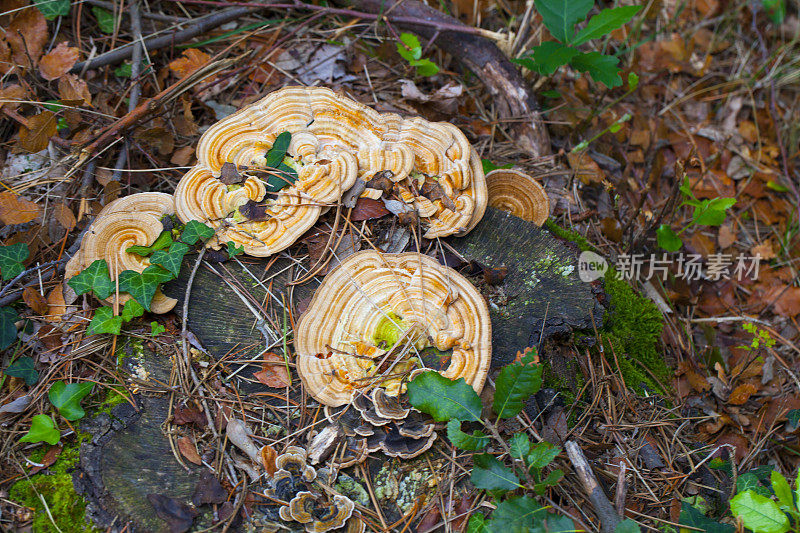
{"x":115,"y":395}
{"x":55,"y":485}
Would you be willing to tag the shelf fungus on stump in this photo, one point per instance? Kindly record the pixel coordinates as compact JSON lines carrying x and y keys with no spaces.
{"x":334,"y":142}
{"x":374,"y":313}
{"x":125,"y":222}
{"x":519,"y":194}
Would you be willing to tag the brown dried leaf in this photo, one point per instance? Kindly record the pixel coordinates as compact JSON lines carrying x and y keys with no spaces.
{"x":56,"y":306}
{"x":27,"y":36}
{"x":36,"y":136}
{"x":208,"y":490}
{"x":71,"y":87}
{"x":268,"y":456}
{"x":742,"y":393}
{"x":16,"y":210}
{"x":48,"y":460}
{"x":11,"y":92}
{"x":765,"y":250}
{"x":229,"y":175}
{"x":273,"y":371}
{"x":182,"y":156}
{"x":175,"y":513}
{"x":192,"y":60}
{"x":187,"y":414}
{"x":35,"y":301}
{"x":58,"y":62}
{"x":65,"y":216}
{"x":586,"y":169}
{"x":189,"y":450}
{"x":367,"y":209}
{"x":787,"y":300}
{"x":159,"y":138}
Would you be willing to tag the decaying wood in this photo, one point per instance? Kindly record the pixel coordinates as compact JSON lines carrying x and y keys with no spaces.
{"x":609,"y":519}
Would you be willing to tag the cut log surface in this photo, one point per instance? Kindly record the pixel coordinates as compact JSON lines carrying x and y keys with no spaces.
{"x":130,"y":456}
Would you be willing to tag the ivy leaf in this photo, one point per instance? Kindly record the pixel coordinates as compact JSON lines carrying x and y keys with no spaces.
{"x":104,"y":321}
{"x":548,"y":56}
{"x":759,"y":513}
{"x":53,"y":8}
{"x":520,"y":445}
{"x":163,"y":241}
{"x":43,"y":429}
{"x":156,"y":328}
{"x":93,"y":278}
{"x":105,"y":19}
{"x":11,"y":258}
{"x":515,"y":384}
{"x":131,"y":310}
{"x":8,"y":328}
{"x":276,"y":154}
{"x":141,"y":286}
{"x":490,"y":474}
{"x":605,"y":22}
{"x":516,"y":515}
{"x":477,"y":524}
{"x":173,"y":259}
{"x":233,"y":250}
{"x":712,"y":212}
{"x":690,"y":516}
{"x":602,"y":68}
{"x":560,"y":16}
{"x":667,"y":239}
{"x":412,"y":51}
{"x":463,"y":440}
{"x":444,"y":399}
{"x":157,"y":274}
{"x":782,"y":490}
{"x":542,"y":455}
{"x":194,"y":231}
{"x":23,"y":368}
{"x":67,"y":398}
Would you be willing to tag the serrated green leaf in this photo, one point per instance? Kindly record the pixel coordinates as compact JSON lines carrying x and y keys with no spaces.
{"x":477,"y":524}
{"x":460,"y":439}
{"x":105,"y":19}
{"x":667,"y":239}
{"x":131,"y":310}
{"x":444,"y":399}
{"x":233,"y":250}
{"x":53,"y":8}
{"x":490,"y":474}
{"x":11,"y":258}
{"x":520,"y":445}
{"x":758,"y":513}
{"x":141,"y":286}
{"x":104,"y":321}
{"x":412,"y":50}
{"x":782,"y":490}
{"x":550,"y":55}
{"x":627,"y":526}
{"x":163,"y":241}
{"x":67,"y":398}
{"x":515,"y":384}
{"x":93,"y":278}
{"x":194,"y":231}
{"x":43,"y":429}
{"x":516,"y":515}
{"x":542,"y":454}
{"x":23,"y":368}
{"x":605,"y":22}
{"x":8,"y":328}
{"x":172,"y":259}
{"x":560,"y":16}
{"x":602,"y":68}
{"x":425,"y":67}
{"x":156,"y":328}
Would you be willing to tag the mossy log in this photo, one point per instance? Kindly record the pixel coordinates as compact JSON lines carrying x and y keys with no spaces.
{"x":130,"y":456}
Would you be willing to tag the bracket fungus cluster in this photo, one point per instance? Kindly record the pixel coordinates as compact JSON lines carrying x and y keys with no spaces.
{"x":125,"y":222}
{"x":335,"y":141}
{"x":372,"y":315}
{"x":519,"y":194}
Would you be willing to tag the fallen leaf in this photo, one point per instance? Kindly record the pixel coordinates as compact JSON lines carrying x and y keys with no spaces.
{"x":176,"y":514}
{"x":159,"y":138}
{"x":71,"y":87}
{"x":367,"y":209}
{"x":27,"y":36}
{"x":56,"y":305}
{"x":36,"y":136}
{"x":192,"y":60}
{"x":35,"y":301}
{"x":16,"y":210}
{"x":208,"y":491}
{"x":268,"y":456}
{"x":58,"y":62}
{"x":65,"y":216}
{"x":187,"y":414}
{"x":182,"y":156}
{"x":786,"y":300}
{"x":727,"y":235}
{"x":431,"y":518}
{"x":15,"y":406}
{"x":742,"y":393}
{"x":11,"y":92}
{"x":48,"y":459}
{"x":765,"y":250}
{"x":586,"y":169}
{"x":189,"y":450}
{"x":273,"y":371}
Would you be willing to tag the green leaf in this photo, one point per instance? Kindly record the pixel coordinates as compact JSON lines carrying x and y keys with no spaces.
{"x":282,"y":177}
{"x":93,"y":278}
{"x":131,"y":310}
{"x":759,"y":513}
{"x":490,"y":474}
{"x":105,"y":19}
{"x":542,"y":455}
{"x":8,"y":328}
{"x":425,"y":67}
{"x":667,"y":239}
{"x":157,"y":274}
{"x":163,"y":241}
{"x":141,"y":286}
{"x":692,"y":517}
{"x":104,"y":321}
{"x":173,"y":259}
{"x":488,"y":166}
{"x":156,"y":328}
{"x":793,"y":417}
{"x":11,"y":258}
{"x":551,"y":480}
{"x":797,"y":488}
{"x":412,"y":51}
{"x":516,"y":515}
{"x":43,"y":429}
{"x":602,"y":68}
{"x":233,"y":250}
{"x":276,"y":154}
{"x":515,"y":384}
{"x":67,"y":398}
{"x":463,"y":440}
{"x":712,"y":212}
{"x":520,"y":445}
{"x":444,"y":399}
{"x":53,"y":8}
{"x":550,"y":55}
{"x":125,"y":70}
{"x":633,"y":81}
{"x":776,"y":9}
{"x":194,"y":231}
{"x":560,"y":16}
{"x":23,"y":368}
{"x":782,"y":490}
{"x":627,"y":526}
{"x":477,"y":524}
{"x":605,"y":22}
{"x":552,"y":523}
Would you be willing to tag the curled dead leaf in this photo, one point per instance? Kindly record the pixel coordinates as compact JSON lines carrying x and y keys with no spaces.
{"x":586,"y":169}
{"x":65,"y":216}
{"x":26,"y":37}
{"x":11,"y":92}
{"x":58,"y":62}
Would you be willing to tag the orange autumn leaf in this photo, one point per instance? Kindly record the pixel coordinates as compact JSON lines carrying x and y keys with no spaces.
{"x":35,"y":301}
{"x":36,"y":136}
{"x":56,"y":306}
{"x":11,"y":92}
{"x":65,"y":216}
{"x":58,"y":62}
{"x":189,"y":450}
{"x":273,"y":371}
{"x":25,"y":38}
{"x":785,"y":300}
{"x":192,"y":60}
{"x":268,"y":456}
{"x":16,"y":210}
{"x":742,"y":393}
{"x":586,"y":169}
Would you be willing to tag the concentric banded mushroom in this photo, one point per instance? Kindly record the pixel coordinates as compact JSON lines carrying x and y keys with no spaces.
{"x":132,"y":220}
{"x":334,"y":141}
{"x":374,"y":311}
{"x":519,"y":194}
